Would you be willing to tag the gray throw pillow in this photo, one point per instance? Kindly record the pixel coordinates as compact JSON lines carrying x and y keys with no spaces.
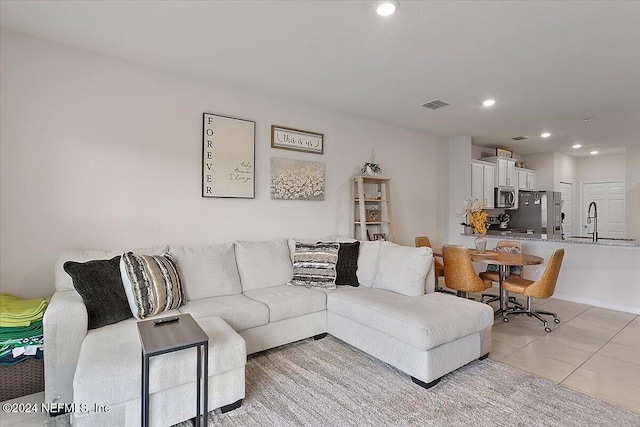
{"x":347,"y":265}
{"x":100,"y":285}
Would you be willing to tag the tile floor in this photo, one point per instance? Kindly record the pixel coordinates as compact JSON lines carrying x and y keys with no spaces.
{"x":593,"y":350}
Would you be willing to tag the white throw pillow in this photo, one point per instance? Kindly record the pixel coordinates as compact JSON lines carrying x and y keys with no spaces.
{"x":368,"y":262}
{"x":207,"y":271}
{"x":63,"y":281}
{"x":403,"y":269}
{"x":263,"y":264}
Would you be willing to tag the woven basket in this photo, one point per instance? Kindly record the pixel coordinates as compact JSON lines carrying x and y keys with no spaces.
{"x":21,"y":379}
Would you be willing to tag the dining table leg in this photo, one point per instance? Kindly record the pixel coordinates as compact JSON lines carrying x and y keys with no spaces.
{"x":502,"y":274}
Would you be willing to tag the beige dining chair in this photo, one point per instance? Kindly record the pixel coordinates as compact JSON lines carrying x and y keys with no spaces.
{"x":493,"y":271}
{"x":438,"y":267}
{"x":459,"y":273}
{"x":541,"y":288}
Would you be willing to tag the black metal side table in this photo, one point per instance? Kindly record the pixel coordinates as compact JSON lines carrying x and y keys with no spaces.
{"x":168,"y":334}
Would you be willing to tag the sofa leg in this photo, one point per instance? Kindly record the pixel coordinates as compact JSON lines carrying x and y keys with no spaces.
{"x":231,"y":406}
{"x":320,"y":336}
{"x":425,"y":385}
{"x":484,"y":356}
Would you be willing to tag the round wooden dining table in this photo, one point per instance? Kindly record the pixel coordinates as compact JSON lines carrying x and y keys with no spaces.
{"x":504,"y":260}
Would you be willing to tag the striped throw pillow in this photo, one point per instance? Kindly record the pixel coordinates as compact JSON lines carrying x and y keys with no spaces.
{"x":152,"y":283}
{"x":314,"y":265}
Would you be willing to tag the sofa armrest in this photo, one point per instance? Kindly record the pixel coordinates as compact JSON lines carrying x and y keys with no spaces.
{"x":430,"y":280}
{"x":64,"y":327}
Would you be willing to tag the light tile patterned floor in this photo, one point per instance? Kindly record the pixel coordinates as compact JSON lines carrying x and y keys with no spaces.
{"x":593,"y":350}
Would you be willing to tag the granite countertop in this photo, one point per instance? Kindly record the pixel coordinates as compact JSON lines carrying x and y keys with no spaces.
{"x":497,"y":234}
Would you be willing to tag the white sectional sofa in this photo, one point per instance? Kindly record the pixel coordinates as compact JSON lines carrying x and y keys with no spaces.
{"x":238,"y":293}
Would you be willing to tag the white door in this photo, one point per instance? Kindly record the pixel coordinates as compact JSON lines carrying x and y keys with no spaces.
{"x":609,"y":198}
{"x":566,"y":189}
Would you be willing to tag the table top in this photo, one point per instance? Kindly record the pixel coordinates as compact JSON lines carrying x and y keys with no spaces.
{"x":500,"y":258}
{"x":165,"y":337}
{"x":505,"y":258}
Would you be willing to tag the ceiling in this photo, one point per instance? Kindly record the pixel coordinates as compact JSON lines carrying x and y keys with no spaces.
{"x":548,"y":64}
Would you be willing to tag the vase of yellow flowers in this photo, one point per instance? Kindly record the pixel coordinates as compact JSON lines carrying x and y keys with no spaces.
{"x":476,"y":218}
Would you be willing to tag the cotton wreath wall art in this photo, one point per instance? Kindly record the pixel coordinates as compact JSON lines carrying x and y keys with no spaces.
{"x":296,"y":179}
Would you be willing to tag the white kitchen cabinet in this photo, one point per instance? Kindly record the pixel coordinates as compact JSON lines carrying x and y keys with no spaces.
{"x":505,"y":171}
{"x":482,"y":182}
{"x":526,"y":179}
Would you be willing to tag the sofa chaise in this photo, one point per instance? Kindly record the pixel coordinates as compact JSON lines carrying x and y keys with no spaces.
{"x":239,"y":295}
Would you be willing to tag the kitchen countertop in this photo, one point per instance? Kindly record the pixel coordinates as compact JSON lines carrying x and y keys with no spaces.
{"x":498,"y":234}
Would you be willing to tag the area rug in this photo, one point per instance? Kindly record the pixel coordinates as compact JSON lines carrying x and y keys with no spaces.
{"x":329,"y":383}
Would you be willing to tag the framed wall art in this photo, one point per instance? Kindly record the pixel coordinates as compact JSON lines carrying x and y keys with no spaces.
{"x":228,"y":157}
{"x":296,"y":179}
{"x":503,"y":152}
{"x":298,"y":140}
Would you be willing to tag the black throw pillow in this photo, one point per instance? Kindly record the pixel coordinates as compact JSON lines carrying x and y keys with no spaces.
{"x":347,"y":264}
{"x":100,"y":285}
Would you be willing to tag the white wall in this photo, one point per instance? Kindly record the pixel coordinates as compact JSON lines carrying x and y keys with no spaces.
{"x":544,"y":165}
{"x":566,"y":170}
{"x":601,"y":168}
{"x":632,"y":174}
{"x":97,"y":152}
{"x":459,"y":183}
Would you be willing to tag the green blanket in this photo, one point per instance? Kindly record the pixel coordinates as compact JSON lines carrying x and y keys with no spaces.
{"x":15,"y":311}
{"x":17,"y":332}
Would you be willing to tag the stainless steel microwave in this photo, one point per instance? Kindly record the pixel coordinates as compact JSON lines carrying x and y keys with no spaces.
{"x":505,"y":197}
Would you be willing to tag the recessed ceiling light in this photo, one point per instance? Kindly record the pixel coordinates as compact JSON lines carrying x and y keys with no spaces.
{"x":545,"y":135}
{"x":576,"y":146}
{"x":489,"y":102}
{"x":386,"y":8}
{"x":594,"y":152}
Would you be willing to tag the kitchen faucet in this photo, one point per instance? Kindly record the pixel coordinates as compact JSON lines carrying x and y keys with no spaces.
{"x":595,"y":218}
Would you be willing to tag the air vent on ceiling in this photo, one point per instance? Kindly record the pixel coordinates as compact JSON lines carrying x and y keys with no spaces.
{"x":520,"y":138}
{"x":435,"y":104}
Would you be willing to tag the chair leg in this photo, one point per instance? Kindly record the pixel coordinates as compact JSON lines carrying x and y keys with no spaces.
{"x":465,"y":295}
{"x":530,"y":312}
{"x":439,"y":289}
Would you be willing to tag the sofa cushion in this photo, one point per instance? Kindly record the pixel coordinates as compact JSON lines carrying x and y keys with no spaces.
{"x":347,"y":266}
{"x":263,"y":264}
{"x":207,"y":271}
{"x":152,"y":284}
{"x":424,"y":322}
{"x":109,"y":366}
{"x":368,"y":262}
{"x":100,"y":285}
{"x":314,"y":265}
{"x":285,"y":302}
{"x":63,"y":281}
{"x":403,"y":269}
{"x":237,"y":310}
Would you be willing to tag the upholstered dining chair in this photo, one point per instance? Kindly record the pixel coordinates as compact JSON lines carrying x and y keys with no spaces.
{"x":493,"y":270}
{"x":459,"y":273}
{"x":541,"y":288}
{"x":438,"y":267}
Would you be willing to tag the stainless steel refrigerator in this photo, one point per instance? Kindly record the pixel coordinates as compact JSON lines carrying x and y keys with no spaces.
{"x":539,"y":212}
